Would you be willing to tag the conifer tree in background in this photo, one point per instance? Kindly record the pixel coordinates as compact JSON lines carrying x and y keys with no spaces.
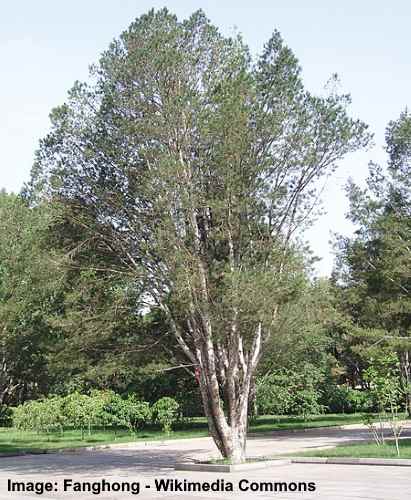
{"x":196,"y":168}
{"x":375,"y":264}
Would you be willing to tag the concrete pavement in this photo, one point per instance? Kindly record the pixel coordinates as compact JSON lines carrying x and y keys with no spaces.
{"x":144,"y":465}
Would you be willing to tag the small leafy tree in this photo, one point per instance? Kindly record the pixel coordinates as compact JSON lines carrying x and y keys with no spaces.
{"x":81,"y":411}
{"x":135,"y":413}
{"x":44,"y":415}
{"x":52,"y":415}
{"x":385,"y":386}
{"x":108,"y":407}
{"x":165,"y":413}
{"x":24,"y":416}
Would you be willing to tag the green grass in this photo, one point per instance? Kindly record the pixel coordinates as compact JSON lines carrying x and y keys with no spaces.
{"x":365,"y":450}
{"x":268,"y":423}
{"x":12,"y":440}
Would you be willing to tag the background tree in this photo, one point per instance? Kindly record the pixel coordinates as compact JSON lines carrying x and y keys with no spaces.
{"x":374,"y":265}
{"x":30,"y":289}
{"x":104,"y":341}
{"x":302,"y":329}
{"x":64,"y":327}
{"x":297,"y":360}
{"x":198,"y":167}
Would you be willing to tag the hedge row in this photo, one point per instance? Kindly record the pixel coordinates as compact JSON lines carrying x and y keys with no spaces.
{"x":99,"y":409}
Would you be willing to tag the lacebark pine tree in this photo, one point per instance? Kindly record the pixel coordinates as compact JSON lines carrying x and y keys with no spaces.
{"x":199,"y":166}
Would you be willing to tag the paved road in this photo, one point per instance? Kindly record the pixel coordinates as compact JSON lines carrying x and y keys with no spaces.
{"x":143,"y":465}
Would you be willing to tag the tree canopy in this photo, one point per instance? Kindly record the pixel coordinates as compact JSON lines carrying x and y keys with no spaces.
{"x":194,"y":167}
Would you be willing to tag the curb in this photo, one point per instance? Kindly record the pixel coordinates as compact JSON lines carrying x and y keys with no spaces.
{"x":399,"y":462}
{"x":307,"y":429}
{"x":203,"y":467}
{"x":40,"y":452}
{"x":80,"y":449}
{"x":51,"y":451}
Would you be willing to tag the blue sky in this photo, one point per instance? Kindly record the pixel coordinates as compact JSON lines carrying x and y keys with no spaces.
{"x":45,"y":45}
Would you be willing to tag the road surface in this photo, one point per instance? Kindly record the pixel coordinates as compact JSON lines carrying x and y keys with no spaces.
{"x":141,"y":468}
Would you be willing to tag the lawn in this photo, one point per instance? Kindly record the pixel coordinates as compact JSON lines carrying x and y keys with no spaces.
{"x":268,"y":423}
{"x":366,"y":450}
{"x":12,"y":440}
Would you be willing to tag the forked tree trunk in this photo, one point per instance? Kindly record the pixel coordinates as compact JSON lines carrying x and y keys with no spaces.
{"x":225,"y":375}
{"x":229,"y":431}
{"x":225,"y":381}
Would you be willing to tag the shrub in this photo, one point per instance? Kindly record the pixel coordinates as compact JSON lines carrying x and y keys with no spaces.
{"x":359,"y":401}
{"x":81,"y":411}
{"x":23,"y":416}
{"x":290,"y":393}
{"x":108,"y":408}
{"x":165,"y":413}
{"x":43,"y":415}
{"x":384,"y":378}
{"x":345,"y":399}
{"x":305,"y":402}
{"x":75,"y":410}
{"x":272,"y":395}
{"x":135,"y":414}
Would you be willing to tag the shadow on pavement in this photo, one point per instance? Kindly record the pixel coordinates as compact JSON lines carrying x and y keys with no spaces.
{"x":97,"y":462}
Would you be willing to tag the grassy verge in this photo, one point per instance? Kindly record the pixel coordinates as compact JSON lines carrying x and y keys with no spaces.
{"x":365,"y":450}
{"x":268,"y":423}
{"x":12,"y":440}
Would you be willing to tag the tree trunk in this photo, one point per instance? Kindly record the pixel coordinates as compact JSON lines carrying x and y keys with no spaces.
{"x":252,"y":400}
{"x":229,"y":432}
{"x":405,"y":368}
{"x":228,"y":426}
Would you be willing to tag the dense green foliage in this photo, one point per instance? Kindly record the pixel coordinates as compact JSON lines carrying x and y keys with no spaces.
{"x":30,"y":286}
{"x":165,"y":413}
{"x":290,"y":393}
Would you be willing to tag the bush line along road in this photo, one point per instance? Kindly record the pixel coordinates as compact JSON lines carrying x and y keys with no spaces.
{"x":14,"y":440}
